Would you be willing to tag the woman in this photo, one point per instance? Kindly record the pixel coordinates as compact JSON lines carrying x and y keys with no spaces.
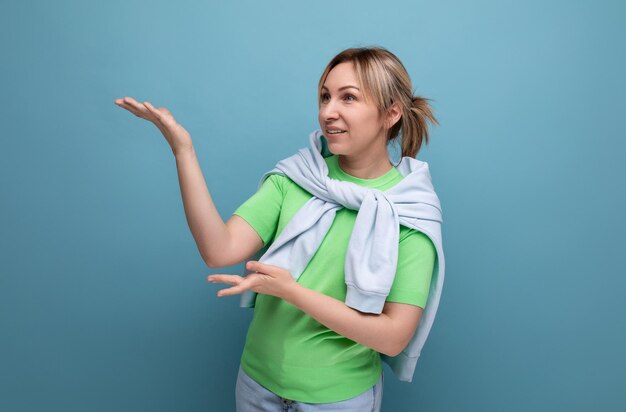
{"x":306,"y":348}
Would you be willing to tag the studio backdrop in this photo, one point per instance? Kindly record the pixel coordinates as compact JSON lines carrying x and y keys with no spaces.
{"x":104,"y":302}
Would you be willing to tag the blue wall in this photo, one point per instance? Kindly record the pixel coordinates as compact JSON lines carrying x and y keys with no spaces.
{"x":104,"y":303}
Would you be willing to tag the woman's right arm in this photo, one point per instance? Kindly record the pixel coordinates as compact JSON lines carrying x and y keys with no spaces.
{"x":220,"y":244}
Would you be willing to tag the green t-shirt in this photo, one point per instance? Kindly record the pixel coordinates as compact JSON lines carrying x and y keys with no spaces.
{"x":286,"y":350}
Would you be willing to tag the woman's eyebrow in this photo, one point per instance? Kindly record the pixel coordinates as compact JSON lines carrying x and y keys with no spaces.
{"x":344,"y":87}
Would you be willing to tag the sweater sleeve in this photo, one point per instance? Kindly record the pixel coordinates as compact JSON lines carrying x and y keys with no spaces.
{"x":416,"y":260}
{"x":262,"y":209}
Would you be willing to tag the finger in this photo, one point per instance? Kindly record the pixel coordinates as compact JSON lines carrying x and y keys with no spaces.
{"x":142,"y":111}
{"x":153,"y":110}
{"x":235,"y":290}
{"x":229,"y":291}
{"x":139,"y":111}
{"x":260,"y":267}
{"x":130,"y":100}
{"x":136,"y":105}
{"x":163,"y":115}
{"x":245,"y":284}
{"x":228,"y":279}
{"x":125,"y":105}
{"x":158,"y":116}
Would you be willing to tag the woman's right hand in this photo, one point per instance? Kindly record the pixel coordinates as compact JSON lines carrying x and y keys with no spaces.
{"x":177,"y":137}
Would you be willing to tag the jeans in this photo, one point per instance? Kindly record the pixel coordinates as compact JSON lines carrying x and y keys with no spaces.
{"x":251,"y":396}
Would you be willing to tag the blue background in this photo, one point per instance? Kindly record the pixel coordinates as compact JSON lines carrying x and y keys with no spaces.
{"x":104,"y":303}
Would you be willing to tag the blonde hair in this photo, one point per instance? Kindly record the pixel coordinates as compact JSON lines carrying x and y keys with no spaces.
{"x":385,"y":81}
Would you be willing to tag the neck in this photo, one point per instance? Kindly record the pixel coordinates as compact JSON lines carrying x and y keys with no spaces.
{"x":365,"y":167}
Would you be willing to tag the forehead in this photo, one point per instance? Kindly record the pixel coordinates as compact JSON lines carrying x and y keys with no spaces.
{"x":341,"y":75}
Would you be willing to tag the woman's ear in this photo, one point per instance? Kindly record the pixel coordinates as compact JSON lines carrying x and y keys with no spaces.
{"x":394,"y":113}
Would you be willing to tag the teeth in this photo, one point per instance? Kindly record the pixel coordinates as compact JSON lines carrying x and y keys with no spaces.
{"x":335,"y":131}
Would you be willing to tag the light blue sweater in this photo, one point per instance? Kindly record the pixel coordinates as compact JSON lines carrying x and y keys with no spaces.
{"x":372,"y":253}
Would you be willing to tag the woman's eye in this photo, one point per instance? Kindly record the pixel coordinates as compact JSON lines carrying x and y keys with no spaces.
{"x":349,"y":97}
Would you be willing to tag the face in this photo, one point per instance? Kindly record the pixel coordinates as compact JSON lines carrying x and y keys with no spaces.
{"x":343,"y":107}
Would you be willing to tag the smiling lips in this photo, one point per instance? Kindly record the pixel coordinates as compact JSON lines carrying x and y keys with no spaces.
{"x":334,"y":132}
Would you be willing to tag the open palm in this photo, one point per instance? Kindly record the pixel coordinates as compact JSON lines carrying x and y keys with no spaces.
{"x":177,"y":137}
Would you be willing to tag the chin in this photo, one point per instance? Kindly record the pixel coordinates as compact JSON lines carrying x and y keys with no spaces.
{"x":334,"y":148}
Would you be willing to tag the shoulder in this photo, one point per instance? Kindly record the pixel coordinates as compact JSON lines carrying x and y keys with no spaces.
{"x":277,"y":180}
{"x":284,"y":184}
{"x":410,"y":237}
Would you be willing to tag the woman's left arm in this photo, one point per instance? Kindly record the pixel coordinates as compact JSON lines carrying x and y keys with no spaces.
{"x":387,"y":333}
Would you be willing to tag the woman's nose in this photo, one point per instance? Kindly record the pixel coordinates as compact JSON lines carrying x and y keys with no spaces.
{"x":329,"y":110}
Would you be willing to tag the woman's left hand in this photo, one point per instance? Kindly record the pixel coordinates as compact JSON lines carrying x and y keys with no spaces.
{"x":267,"y":279}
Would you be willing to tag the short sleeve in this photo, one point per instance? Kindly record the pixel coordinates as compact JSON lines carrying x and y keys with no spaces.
{"x":262,"y":209}
{"x":416,"y":261}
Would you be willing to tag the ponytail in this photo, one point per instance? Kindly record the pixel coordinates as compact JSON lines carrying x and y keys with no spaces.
{"x":414,"y":124}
